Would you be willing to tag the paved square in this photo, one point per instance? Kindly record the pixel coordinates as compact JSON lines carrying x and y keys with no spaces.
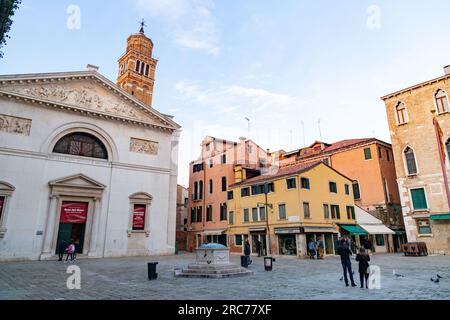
{"x":291,"y":279}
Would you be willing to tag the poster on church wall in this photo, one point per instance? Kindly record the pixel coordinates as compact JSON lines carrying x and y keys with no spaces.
{"x":2,"y":201}
{"x":139,"y":217}
{"x":74,"y":212}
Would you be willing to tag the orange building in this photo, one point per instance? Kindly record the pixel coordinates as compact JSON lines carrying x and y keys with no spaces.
{"x":209,"y":179}
{"x":370,"y":163}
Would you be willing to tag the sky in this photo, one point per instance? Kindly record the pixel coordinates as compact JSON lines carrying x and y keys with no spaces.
{"x":299,"y":70}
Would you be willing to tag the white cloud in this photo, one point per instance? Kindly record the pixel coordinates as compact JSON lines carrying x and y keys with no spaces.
{"x":228,"y":99}
{"x":191,"y":21}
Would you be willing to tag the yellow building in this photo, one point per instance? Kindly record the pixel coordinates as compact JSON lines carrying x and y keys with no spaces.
{"x":304,"y":202}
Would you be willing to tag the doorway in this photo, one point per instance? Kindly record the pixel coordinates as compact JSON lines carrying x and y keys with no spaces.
{"x":261,"y":238}
{"x":72,"y":225}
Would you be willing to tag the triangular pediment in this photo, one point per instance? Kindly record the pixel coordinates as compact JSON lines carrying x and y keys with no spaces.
{"x":88,"y":93}
{"x":77,"y":181}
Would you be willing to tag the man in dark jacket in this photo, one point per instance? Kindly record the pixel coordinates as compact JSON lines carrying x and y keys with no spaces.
{"x":62,"y":249}
{"x":345,"y":253}
{"x":258,"y":247}
{"x":247,"y":251}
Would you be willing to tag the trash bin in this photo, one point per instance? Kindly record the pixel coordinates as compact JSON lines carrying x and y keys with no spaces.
{"x":268,"y":263}
{"x":152,"y":275}
{"x":245,"y":261}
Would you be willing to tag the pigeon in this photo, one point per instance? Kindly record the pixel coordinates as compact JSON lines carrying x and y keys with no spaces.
{"x":435,"y":280}
{"x":439,"y":277}
{"x":397,"y":274}
{"x":341,"y":279}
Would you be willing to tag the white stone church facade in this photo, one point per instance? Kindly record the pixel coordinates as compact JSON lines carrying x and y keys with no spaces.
{"x":83,"y":160}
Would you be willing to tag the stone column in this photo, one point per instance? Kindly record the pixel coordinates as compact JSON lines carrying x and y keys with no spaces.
{"x":301,"y":245}
{"x":50,"y":227}
{"x":172,"y":205}
{"x":95,"y":228}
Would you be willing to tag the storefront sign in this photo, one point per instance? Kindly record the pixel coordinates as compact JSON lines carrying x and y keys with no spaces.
{"x":74,"y":212}
{"x":139,"y":217}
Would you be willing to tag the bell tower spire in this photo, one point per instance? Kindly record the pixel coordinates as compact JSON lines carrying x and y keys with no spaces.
{"x":137,"y":67}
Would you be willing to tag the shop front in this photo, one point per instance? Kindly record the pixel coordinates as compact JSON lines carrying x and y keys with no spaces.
{"x":258,"y":238}
{"x":287,"y":241}
{"x":355,"y":233}
{"x":329,"y":236}
{"x":216,"y":236}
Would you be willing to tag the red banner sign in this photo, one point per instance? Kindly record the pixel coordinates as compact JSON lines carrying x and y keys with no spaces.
{"x":2,"y":201}
{"x":139,"y":217}
{"x":74,"y":212}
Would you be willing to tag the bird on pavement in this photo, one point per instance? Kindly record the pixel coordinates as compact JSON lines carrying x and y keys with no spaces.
{"x":397,"y":274}
{"x":435,"y":280}
{"x":439,"y":277}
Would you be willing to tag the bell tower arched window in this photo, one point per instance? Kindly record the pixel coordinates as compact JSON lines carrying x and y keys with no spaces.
{"x":81,"y":144}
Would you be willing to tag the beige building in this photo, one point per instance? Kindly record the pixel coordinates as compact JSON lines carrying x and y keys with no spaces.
{"x":421,"y":154}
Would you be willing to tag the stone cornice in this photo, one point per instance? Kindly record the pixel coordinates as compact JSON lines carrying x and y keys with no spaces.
{"x":54,"y":78}
{"x":417,"y":86}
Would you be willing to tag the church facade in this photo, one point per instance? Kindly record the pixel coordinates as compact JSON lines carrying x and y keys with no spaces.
{"x":86,"y":160}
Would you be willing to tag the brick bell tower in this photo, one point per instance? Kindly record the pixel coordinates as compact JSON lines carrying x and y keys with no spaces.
{"x":137,"y":67}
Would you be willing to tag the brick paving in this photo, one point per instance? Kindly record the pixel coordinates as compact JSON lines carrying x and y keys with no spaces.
{"x":291,"y":279}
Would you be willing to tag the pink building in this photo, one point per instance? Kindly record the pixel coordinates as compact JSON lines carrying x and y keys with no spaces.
{"x":209,"y":178}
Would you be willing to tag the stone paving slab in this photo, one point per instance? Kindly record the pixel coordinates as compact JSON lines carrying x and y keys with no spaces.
{"x":291,"y":279}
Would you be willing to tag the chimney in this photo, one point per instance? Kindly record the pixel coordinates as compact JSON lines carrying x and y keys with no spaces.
{"x":91,"y":67}
{"x":447,"y":70}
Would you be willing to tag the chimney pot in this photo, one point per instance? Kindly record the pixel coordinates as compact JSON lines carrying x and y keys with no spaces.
{"x":91,"y":67}
{"x":447,"y":70}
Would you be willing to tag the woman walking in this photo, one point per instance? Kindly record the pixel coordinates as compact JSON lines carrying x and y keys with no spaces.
{"x":363,"y":258}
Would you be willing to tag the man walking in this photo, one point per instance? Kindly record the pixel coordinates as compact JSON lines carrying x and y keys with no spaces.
{"x":345,"y":253}
{"x":258,"y":247}
{"x":247,"y":252}
{"x":62,"y":249}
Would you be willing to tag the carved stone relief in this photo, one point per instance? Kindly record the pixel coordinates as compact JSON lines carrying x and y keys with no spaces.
{"x":143,"y":146}
{"x":15,"y":125}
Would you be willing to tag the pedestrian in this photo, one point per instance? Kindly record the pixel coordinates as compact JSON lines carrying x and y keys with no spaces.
{"x":363,"y":258}
{"x":76,"y":245}
{"x":62,"y":249}
{"x":320,"y":248}
{"x":345,"y":253}
{"x":247,"y":251}
{"x":312,"y":249}
{"x":70,"y":251}
{"x":258,"y":247}
{"x":368,"y":245}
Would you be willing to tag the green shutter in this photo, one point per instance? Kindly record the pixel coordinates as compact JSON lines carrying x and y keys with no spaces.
{"x":246,"y":215}
{"x":418,"y":198}
{"x":367,"y":154}
{"x":282,"y":211}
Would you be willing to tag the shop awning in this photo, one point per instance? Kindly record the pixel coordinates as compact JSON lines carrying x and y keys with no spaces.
{"x":214,"y":232}
{"x":257,"y":229}
{"x":320,"y":230}
{"x":440,"y":217}
{"x":376,"y":229}
{"x":353,"y":229}
{"x":287,"y":230}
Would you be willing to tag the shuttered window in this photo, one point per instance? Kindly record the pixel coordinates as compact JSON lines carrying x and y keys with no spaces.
{"x":418,"y":198}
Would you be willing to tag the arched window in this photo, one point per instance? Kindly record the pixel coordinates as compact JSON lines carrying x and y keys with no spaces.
{"x":81,"y":144}
{"x":138,"y":66}
{"x":147,"y":70}
{"x":441,"y":101}
{"x":410,"y":159}
{"x":142,"y":67}
{"x":401,"y":113}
